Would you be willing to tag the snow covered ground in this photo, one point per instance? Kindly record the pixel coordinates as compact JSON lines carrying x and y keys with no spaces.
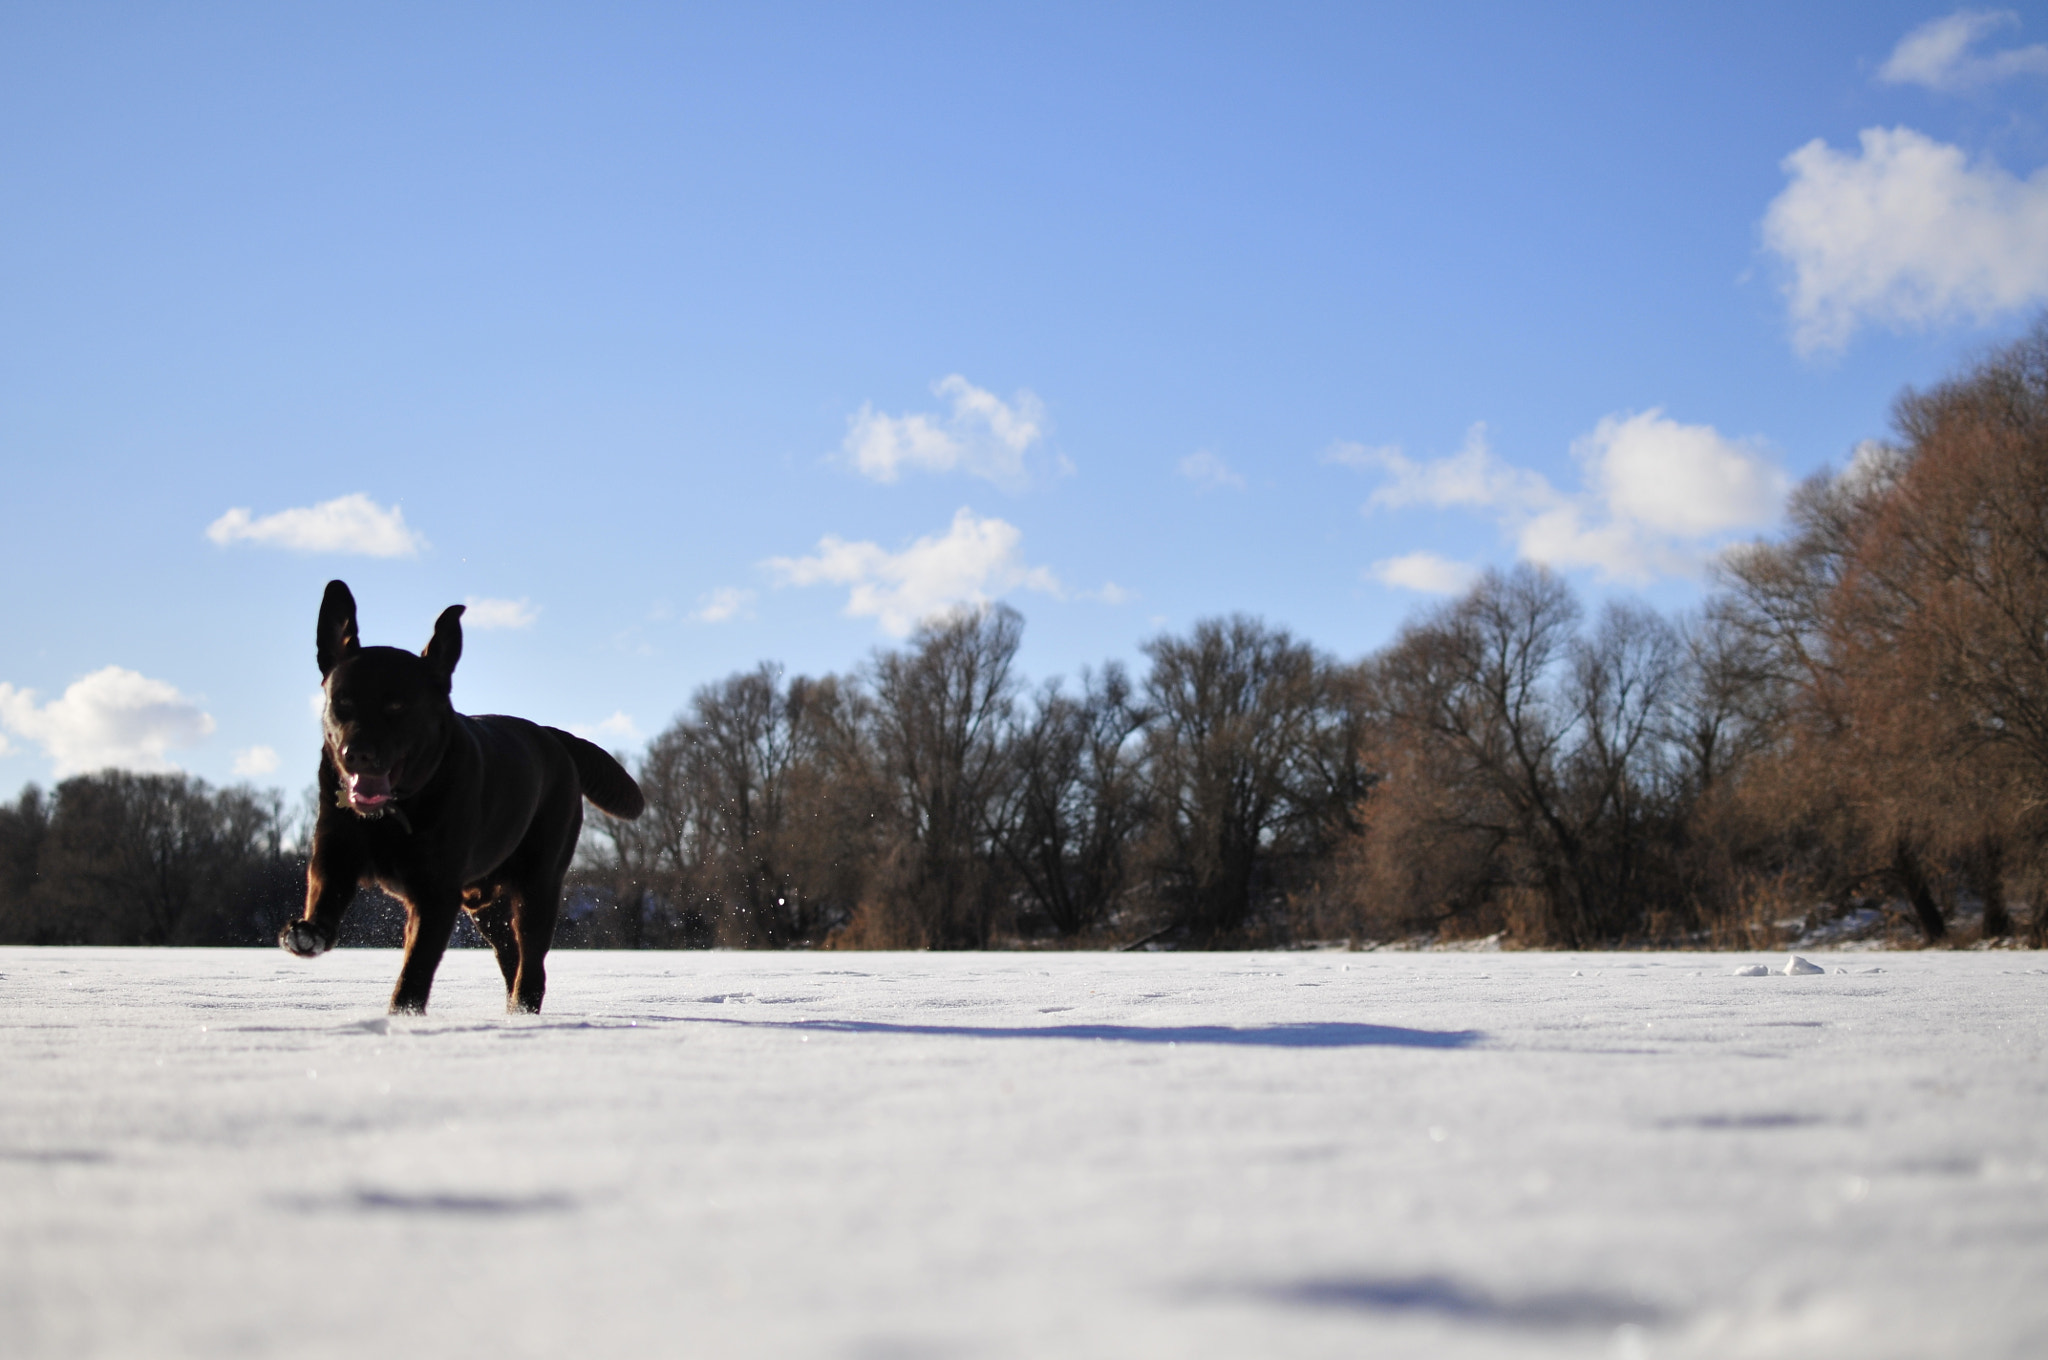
{"x":222,"y":1153}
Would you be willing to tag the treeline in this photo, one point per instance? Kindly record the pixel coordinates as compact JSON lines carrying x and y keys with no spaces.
{"x":116,"y":858}
{"x":119,"y":858}
{"x":1856,"y":720}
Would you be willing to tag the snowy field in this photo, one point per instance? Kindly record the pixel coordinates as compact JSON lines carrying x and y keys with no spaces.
{"x":233,"y":1153}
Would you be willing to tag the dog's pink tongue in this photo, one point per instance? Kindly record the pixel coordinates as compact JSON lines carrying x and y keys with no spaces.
{"x":369,"y":790}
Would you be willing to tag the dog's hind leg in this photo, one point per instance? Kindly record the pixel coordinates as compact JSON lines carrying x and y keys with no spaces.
{"x":429,"y":921}
{"x":535,"y":881}
{"x":494,"y":923}
{"x":534,"y":908}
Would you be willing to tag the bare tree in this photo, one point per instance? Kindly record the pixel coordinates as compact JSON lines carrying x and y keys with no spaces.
{"x":941,"y":733}
{"x":1943,"y":619}
{"x":750,"y":736}
{"x":1621,"y":777}
{"x":1237,"y":718}
{"x":1728,"y":702}
{"x":1076,"y":802}
{"x":1531,"y":778}
{"x":759,"y":823}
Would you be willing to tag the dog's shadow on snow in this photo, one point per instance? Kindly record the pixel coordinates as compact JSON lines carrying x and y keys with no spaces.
{"x":1443,"y":1297}
{"x":1307,"y":1034}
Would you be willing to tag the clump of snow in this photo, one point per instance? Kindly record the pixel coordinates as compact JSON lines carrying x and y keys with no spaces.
{"x":1752,"y":970}
{"x":1799,"y":967}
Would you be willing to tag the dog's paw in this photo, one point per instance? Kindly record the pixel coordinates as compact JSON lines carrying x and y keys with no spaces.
{"x":305,"y":939}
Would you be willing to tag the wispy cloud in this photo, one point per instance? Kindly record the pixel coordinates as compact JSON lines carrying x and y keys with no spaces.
{"x":1654,"y":496}
{"x":1471,"y":478}
{"x":974,"y":562}
{"x":484,"y":613}
{"x":253,"y":762}
{"x":1109,"y":593}
{"x":112,"y":717}
{"x":1362,"y":456}
{"x":1209,"y":472}
{"x":982,"y":435}
{"x":347,"y":524}
{"x":1905,"y":232}
{"x":726,"y":602}
{"x":1938,"y":54}
{"x":1427,"y":572}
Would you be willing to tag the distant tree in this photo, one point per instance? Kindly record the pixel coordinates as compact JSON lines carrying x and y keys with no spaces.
{"x":766,"y":754}
{"x":1811,"y":814}
{"x":941,"y":734}
{"x":23,"y":828}
{"x":760,"y":813}
{"x":1077,"y":802}
{"x":1942,"y":617}
{"x":162,"y":859}
{"x":1904,"y":621}
{"x":1728,"y":704}
{"x":1532,"y":780}
{"x":1238,"y":716}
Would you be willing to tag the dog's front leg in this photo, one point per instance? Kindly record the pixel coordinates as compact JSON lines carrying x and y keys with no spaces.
{"x":429,"y":921}
{"x":333,"y":872}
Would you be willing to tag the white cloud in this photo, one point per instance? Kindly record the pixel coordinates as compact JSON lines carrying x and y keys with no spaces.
{"x":483,"y":613}
{"x":1209,"y":472}
{"x":1425,"y":571}
{"x":972,"y":563}
{"x":881,"y":446}
{"x":255,"y":761}
{"x":726,"y":602}
{"x":617,"y":728}
{"x":113,"y":717}
{"x":346,"y":524}
{"x":1653,"y":495}
{"x":1687,"y":481}
{"x":982,"y":435}
{"x":1905,"y":232}
{"x":1937,"y":54}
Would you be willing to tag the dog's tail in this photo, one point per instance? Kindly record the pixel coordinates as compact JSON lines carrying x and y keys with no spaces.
{"x":605,"y":781}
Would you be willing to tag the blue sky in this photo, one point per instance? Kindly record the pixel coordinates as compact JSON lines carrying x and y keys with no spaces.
{"x":681,"y":338}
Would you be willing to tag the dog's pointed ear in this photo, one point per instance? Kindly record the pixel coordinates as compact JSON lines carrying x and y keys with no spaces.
{"x":336,"y":637}
{"x":445,"y":648}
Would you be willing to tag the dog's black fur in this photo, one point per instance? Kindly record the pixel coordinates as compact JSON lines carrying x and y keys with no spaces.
{"x":442,"y":810}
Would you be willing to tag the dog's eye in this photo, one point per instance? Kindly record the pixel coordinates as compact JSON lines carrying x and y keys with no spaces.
{"x":344,"y":712}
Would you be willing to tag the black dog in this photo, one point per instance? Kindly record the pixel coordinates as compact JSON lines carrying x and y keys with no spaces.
{"x":442,"y":810}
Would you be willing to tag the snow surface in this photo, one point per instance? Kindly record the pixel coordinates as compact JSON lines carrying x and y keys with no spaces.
{"x":222,"y":1153}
